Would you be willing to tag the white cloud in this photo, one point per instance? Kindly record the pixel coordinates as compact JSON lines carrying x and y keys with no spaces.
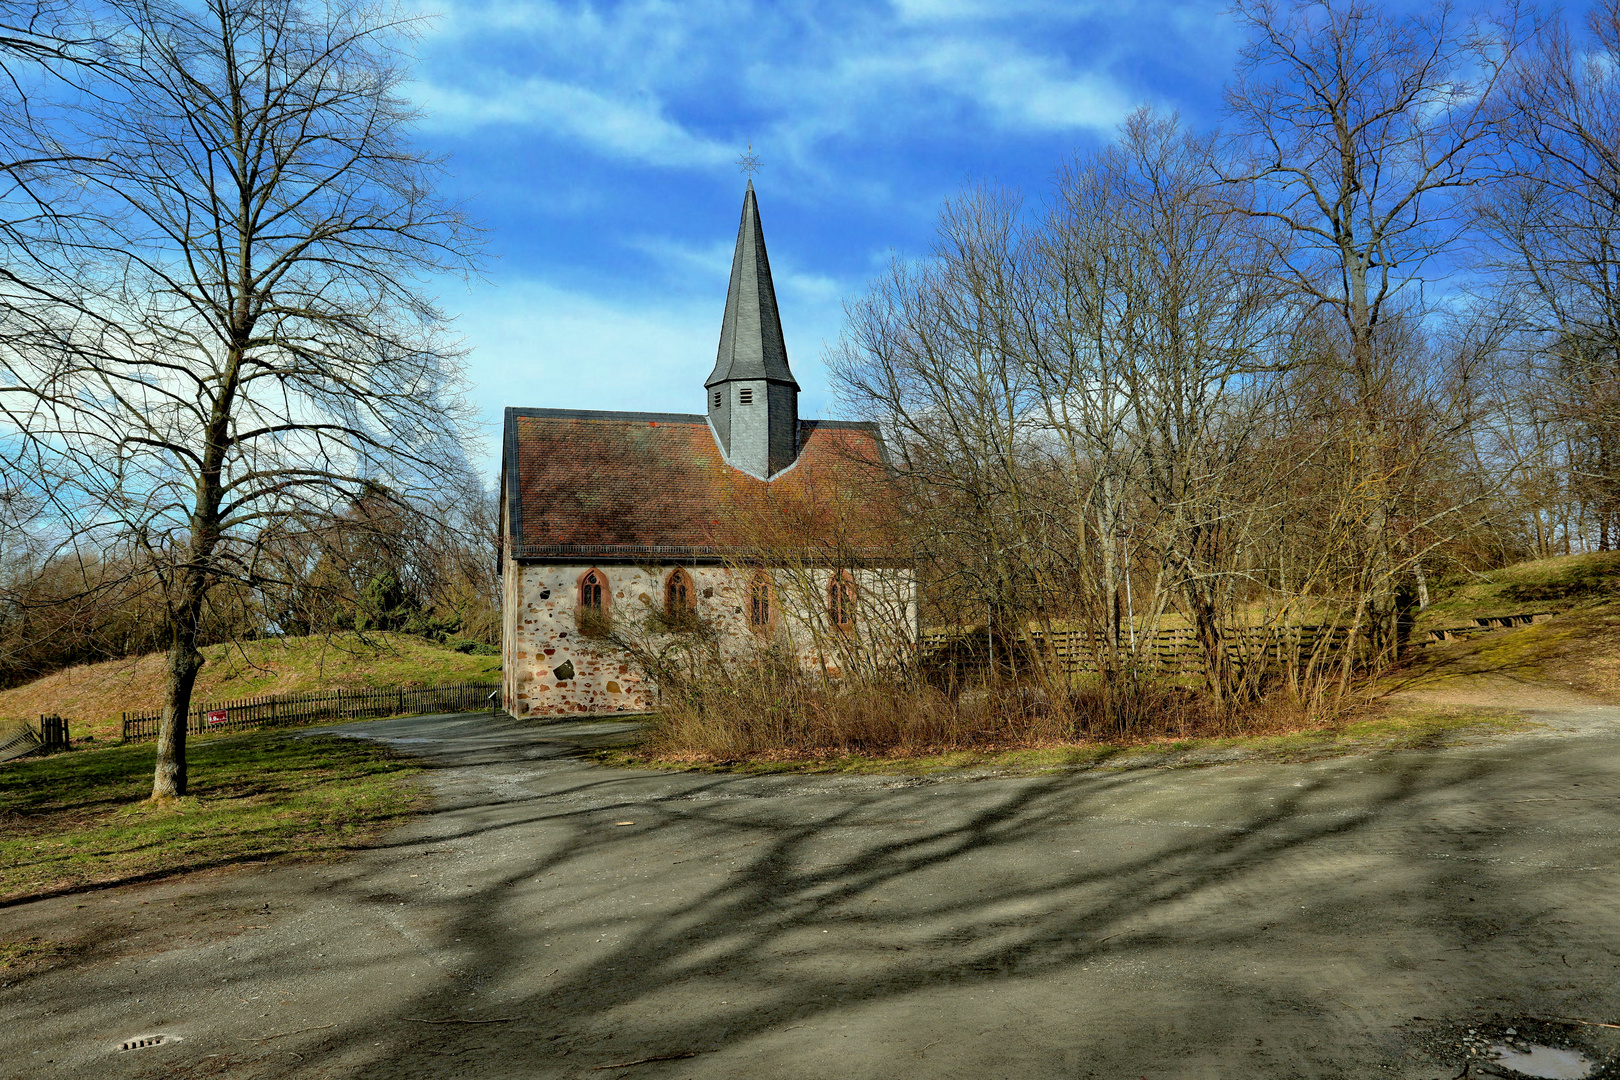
{"x":671,"y":84}
{"x":983,"y":10}
{"x":1019,"y":88}
{"x":681,"y":261}
{"x":633,"y":129}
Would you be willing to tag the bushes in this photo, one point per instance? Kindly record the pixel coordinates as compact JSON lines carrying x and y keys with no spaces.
{"x":764,"y":709}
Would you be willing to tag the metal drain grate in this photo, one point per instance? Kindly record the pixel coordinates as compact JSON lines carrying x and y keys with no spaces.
{"x":143,"y":1041}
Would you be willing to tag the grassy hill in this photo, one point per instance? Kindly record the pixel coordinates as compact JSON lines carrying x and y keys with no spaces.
{"x":92,"y":696}
{"x":1577,"y":652}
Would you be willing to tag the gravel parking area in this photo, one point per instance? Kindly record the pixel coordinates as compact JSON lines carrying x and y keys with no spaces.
{"x":1380,"y":915}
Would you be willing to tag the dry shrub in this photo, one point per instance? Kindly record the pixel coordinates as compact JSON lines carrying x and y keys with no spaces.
{"x":769,"y":712}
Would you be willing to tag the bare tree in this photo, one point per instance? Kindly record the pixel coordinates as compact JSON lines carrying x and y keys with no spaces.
{"x":46,"y":47}
{"x":1555,"y":223}
{"x":257,"y":346}
{"x":1122,"y":399}
{"x":937,"y":352}
{"x":1194,"y":335}
{"x":1070,"y":397}
{"x":1354,"y":128}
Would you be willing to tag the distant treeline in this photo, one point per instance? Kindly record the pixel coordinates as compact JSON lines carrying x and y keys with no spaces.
{"x":429,"y":571}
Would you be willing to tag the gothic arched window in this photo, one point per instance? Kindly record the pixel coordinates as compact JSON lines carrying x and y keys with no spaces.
{"x":841,"y":600}
{"x":759,"y":602}
{"x":593,"y":590}
{"x":680,"y":594}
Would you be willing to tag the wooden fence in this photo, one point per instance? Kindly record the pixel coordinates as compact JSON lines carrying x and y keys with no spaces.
{"x":18,"y":738}
{"x":1169,"y":650}
{"x":1486,"y":626}
{"x":276,"y":709}
{"x":1177,"y":650}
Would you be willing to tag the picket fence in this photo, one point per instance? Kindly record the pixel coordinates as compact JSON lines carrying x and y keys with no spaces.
{"x":276,"y":709}
{"x":18,"y":738}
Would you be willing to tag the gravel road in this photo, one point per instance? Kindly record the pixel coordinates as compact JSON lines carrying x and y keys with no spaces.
{"x":1352,"y":917}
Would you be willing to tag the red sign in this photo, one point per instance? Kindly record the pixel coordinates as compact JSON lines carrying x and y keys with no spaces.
{"x":217,"y":716}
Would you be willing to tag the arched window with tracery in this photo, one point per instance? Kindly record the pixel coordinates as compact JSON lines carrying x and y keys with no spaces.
{"x":680,"y":595}
{"x":759,"y":602}
{"x":841,"y":600}
{"x":593,"y":590}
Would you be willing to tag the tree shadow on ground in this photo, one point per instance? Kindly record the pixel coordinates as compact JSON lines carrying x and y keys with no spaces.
{"x":914,"y":889}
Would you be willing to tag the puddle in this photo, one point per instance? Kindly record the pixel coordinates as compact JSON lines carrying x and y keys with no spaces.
{"x":1545,"y":1062}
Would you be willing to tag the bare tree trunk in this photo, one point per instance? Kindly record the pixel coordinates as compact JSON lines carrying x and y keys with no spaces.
{"x":184,"y":661}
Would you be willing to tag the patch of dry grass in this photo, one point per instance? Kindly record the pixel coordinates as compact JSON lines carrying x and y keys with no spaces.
{"x":769,"y":721}
{"x":30,"y":951}
{"x":92,"y":696}
{"x":1371,"y":729}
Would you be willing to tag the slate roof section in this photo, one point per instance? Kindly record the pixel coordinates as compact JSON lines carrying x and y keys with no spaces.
{"x":751,"y":343}
{"x":636,"y":487}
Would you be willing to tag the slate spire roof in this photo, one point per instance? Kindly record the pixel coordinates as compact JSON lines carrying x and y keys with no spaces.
{"x":751,"y":345}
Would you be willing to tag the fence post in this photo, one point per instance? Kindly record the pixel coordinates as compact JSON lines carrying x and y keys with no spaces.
{"x":53,"y":732}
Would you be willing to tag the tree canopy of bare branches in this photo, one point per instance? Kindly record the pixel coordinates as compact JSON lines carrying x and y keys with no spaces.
{"x":252,"y":344}
{"x":1552,"y":232}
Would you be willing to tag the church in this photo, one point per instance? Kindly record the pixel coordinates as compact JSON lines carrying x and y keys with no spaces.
{"x":775,"y":532}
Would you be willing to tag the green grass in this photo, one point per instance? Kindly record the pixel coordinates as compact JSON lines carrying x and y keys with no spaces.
{"x":347,"y":660}
{"x":79,"y":819}
{"x":1576,"y":650}
{"x":1564,"y":584}
{"x":1407,"y":727}
{"x":28,"y":951}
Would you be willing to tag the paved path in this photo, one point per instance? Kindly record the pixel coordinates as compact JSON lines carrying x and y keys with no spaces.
{"x":1248,"y":920}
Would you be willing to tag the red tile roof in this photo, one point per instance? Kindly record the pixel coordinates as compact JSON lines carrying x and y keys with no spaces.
{"x":603,"y":485}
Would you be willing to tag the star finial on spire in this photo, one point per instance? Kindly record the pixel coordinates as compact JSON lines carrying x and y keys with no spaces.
{"x":748,"y":162}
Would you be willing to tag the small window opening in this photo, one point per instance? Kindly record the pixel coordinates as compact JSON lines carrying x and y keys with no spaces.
{"x":745,"y":397}
{"x":841,"y":601}
{"x":759,"y":602}
{"x":679,"y":595}
{"x":591,"y":588}
{"x":718,"y":398}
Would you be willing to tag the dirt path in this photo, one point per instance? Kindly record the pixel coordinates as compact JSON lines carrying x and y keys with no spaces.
{"x":1555,"y":709}
{"x":1254,"y":920}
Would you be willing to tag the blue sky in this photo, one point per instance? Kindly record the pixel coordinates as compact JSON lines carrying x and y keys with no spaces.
{"x":596,"y":142}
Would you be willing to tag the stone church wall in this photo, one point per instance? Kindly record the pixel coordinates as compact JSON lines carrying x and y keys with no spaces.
{"x":550,"y":668}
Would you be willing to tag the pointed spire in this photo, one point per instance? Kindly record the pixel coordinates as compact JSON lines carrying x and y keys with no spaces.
{"x":751,"y":345}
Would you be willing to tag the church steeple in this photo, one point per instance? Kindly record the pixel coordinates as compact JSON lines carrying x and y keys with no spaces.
{"x":753,"y":399}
